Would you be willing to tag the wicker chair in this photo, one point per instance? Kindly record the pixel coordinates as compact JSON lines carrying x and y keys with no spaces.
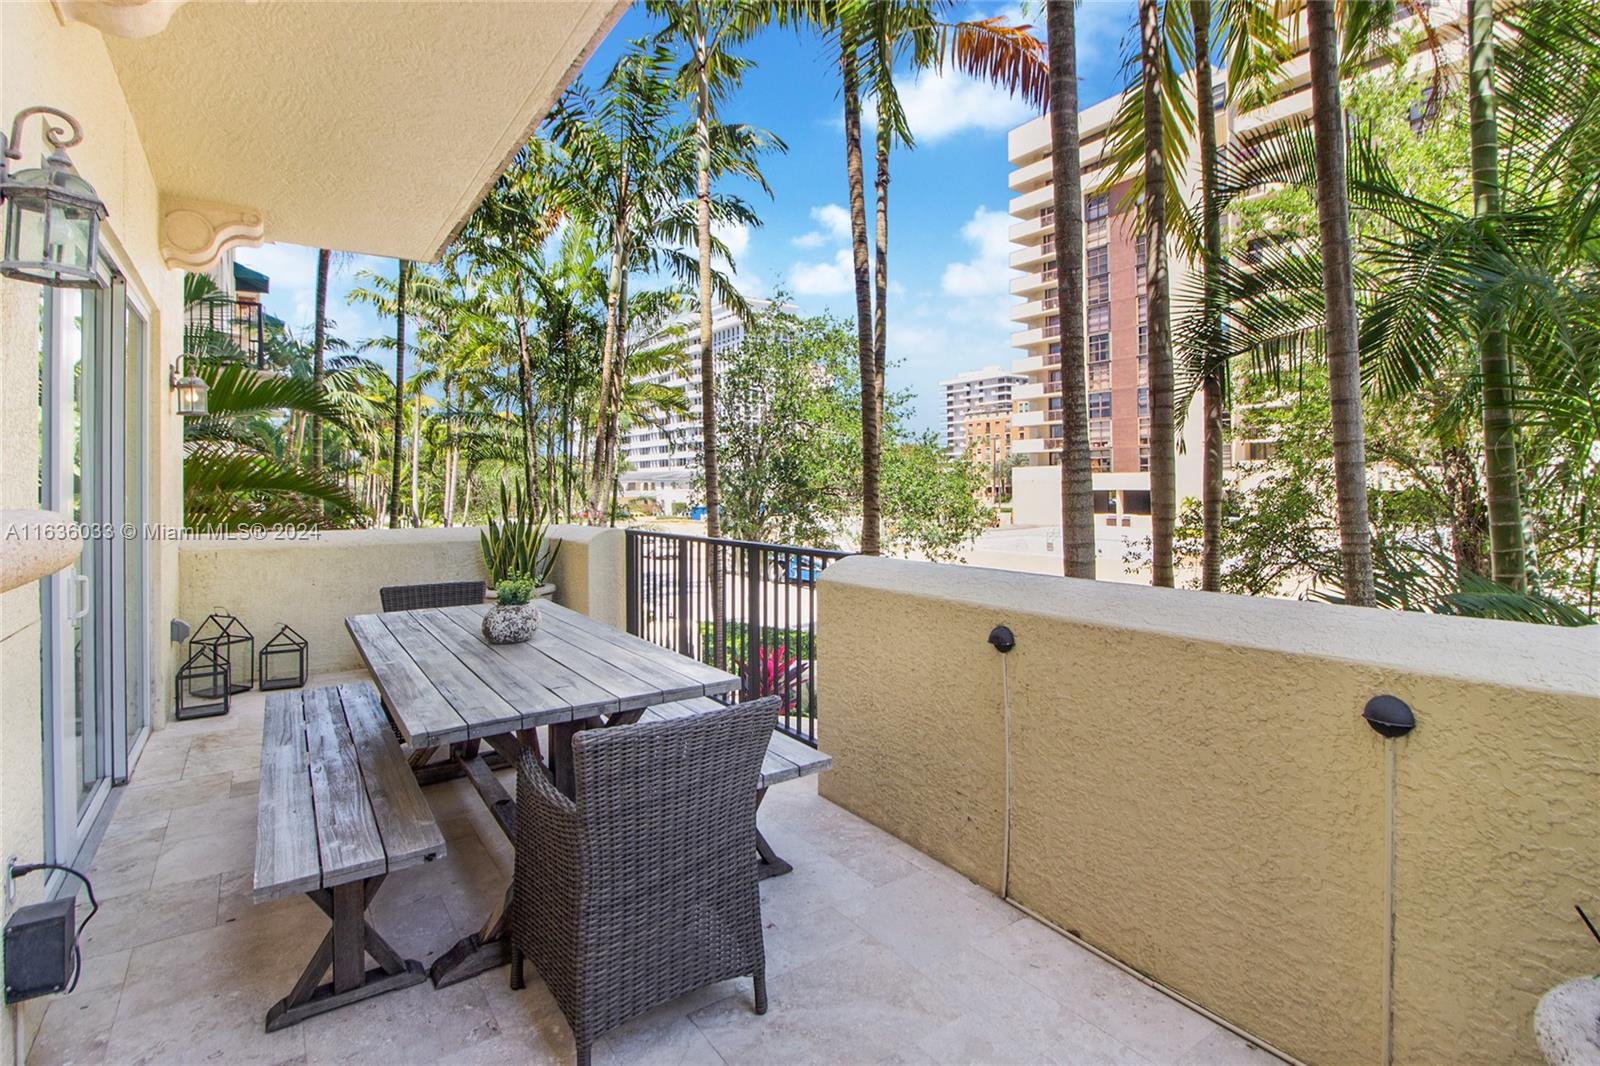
{"x":645,"y":887}
{"x":438,"y":594}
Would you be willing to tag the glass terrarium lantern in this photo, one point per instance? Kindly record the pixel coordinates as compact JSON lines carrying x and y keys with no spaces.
{"x":283,"y":660}
{"x":233,"y":643}
{"x":203,"y":688}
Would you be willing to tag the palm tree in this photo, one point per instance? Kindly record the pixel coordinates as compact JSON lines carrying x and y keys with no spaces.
{"x":1077,"y":480}
{"x":1153,"y":57}
{"x":319,"y":346}
{"x":1507,"y":553}
{"x":1339,"y":303}
{"x":709,"y":28}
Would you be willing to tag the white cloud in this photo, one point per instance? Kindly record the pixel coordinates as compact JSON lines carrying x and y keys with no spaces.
{"x":833,"y":224}
{"x":986,"y":274}
{"x":824,"y":279}
{"x":736,"y":235}
{"x":939,"y":104}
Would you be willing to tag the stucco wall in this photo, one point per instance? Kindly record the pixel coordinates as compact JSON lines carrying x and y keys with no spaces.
{"x":68,"y":67}
{"x":313,"y":584}
{"x":1195,"y":793}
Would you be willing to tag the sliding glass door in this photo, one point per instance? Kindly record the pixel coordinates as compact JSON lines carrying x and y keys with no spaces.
{"x":94,"y":653}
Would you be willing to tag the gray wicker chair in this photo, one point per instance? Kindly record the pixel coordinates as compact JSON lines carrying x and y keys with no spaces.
{"x":645,"y":887}
{"x":438,"y":594}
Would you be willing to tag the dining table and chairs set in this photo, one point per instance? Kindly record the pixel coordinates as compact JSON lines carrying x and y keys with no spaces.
{"x":633,"y":824}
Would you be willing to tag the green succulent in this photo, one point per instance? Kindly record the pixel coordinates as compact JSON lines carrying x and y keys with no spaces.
{"x":515,"y":545}
{"x":514,"y":590}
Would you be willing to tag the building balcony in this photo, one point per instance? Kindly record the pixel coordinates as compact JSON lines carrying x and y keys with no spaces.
{"x":1031,"y":255}
{"x":1141,"y":879}
{"x":1033,"y":390}
{"x":1034,"y":282}
{"x":1023,"y":419}
{"x":1028,"y":202}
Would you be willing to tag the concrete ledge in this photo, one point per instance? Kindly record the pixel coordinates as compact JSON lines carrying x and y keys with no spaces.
{"x":1193,"y":790}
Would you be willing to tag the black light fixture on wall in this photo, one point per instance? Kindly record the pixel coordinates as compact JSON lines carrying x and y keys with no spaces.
{"x":52,"y":215}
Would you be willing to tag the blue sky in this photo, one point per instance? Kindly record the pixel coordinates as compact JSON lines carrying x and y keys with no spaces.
{"x":947,"y":222}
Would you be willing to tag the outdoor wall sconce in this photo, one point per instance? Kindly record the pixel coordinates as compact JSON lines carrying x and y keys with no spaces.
{"x":52,"y":215}
{"x":1389,"y":716}
{"x":283,"y":660}
{"x":203,"y":688}
{"x":234,"y":645}
{"x":191,"y":392}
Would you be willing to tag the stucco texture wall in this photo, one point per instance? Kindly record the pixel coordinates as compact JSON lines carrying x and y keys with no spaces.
{"x":44,"y":62}
{"x":314,"y":583}
{"x":1194,"y":792}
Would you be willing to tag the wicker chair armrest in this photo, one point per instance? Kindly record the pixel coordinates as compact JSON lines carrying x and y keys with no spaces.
{"x":538,"y":790}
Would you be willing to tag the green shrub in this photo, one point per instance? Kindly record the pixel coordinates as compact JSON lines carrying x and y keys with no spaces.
{"x":514,"y":590}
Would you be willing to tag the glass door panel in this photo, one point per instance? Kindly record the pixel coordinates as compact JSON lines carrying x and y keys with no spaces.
{"x":132,"y":435}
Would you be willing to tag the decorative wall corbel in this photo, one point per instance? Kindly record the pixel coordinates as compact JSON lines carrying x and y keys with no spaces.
{"x":194,"y":233}
{"x":120,"y":18}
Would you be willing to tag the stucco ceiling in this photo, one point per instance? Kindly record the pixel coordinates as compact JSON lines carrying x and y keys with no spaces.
{"x":356,"y":125}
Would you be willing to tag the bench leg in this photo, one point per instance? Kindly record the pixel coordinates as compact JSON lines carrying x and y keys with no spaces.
{"x":345,"y":949}
{"x":768,"y":862}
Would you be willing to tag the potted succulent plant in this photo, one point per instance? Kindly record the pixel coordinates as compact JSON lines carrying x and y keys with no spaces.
{"x":517,"y":546}
{"x":514,"y":616}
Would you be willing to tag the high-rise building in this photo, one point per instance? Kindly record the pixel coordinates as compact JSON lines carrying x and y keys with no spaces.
{"x":987,"y":433}
{"x":658,"y":459}
{"x":1114,"y":290}
{"x":974,"y":390}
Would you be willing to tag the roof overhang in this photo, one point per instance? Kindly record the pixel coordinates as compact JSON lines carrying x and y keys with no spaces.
{"x":359,"y":126}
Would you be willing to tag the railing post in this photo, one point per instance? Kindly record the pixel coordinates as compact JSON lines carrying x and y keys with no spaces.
{"x":684,"y":646}
{"x":753,"y":623}
{"x":635,"y":583}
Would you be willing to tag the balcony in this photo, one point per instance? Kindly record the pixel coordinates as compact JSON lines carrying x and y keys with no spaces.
{"x":226,"y":327}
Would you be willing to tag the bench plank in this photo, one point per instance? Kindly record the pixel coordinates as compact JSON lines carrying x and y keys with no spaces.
{"x":404,"y":820}
{"x":429,"y":719}
{"x":347,"y":835}
{"x":287,"y":860}
{"x":786,"y":758}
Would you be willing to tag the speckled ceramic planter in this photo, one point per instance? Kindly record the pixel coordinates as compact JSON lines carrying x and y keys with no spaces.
{"x":510,"y":625}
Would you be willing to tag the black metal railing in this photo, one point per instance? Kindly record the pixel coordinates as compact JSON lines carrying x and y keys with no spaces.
{"x":766,"y":629}
{"x":230,"y":321}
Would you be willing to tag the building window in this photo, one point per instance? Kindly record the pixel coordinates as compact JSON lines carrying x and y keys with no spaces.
{"x":1055,"y":403}
{"x":1099,"y":375}
{"x":1144,"y":401}
{"x":1099,"y":347}
{"x":1099,"y":261}
{"x":1052,"y":326}
{"x":1100,"y":318}
{"x":1100,"y":405}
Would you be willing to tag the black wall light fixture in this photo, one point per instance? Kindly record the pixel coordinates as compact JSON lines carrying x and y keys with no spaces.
{"x":1389,"y":716}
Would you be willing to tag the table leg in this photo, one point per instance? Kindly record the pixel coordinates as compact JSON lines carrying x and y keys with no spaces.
{"x":477,"y":952}
{"x":768,"y":863}
{"x":344,"y":949}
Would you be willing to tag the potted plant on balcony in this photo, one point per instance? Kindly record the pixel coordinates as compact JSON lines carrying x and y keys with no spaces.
{"x":514,"y":617}
{"x":516,"y":545}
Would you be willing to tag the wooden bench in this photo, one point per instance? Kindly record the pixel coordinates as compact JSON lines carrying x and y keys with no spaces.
{"x":338,"y":811}
{"x":787,"y":759}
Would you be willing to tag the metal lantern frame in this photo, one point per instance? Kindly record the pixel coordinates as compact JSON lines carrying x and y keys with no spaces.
{"x":203,"y":688}
{"x":234,"y":643}
{"x":286,"y":644}
{"x":51,"y":208}
{"x":192,"y":393}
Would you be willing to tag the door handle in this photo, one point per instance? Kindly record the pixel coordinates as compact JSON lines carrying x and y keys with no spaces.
{"x":81,"y":582}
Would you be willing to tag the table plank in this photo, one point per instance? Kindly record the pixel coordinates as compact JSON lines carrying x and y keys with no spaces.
{"x":347,"y":836}
{"x":715,"y":681}
{"x":573,"y":695}
{"x":287,"y":860}
{"x":484,"y":710}
{"x":424,"y":717}
{"x":786,"y":758}
{"x":403,"y":818}
{"x":635,"y":688}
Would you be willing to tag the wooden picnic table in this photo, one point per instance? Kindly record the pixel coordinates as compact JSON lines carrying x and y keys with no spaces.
{"x":445,"y":686}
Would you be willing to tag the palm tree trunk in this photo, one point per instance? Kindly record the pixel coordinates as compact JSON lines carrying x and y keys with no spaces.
{"x":1163,"y":453}
{"x":1508,"y":558}
{"x":880,"y":276}
{"x":870,"y":505}
{"x":401,"y":285}
{"x":615,"y":299}
{"x":416,"y":457}
{"x":708,"y":407}
{"x":319,"y":346}
{"x":1077,"y":479}
{"x":530,"y":446}
{"x":1339,"y":301}
{"x":1213,"y":385}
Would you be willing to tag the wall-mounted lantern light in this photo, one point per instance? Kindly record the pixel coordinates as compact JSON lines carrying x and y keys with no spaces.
{"x":52,"y":215}
{"x":191,"y":393}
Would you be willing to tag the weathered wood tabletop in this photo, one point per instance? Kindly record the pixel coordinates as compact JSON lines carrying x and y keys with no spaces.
{"x":444,"y":684}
